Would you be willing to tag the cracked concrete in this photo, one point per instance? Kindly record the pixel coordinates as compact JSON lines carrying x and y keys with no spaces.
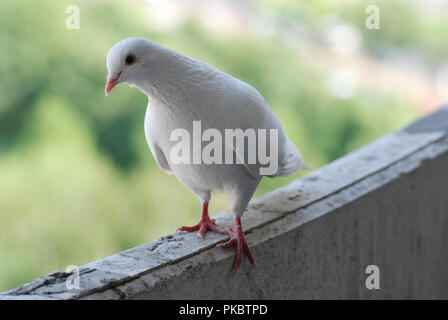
{"x":384,"y":204}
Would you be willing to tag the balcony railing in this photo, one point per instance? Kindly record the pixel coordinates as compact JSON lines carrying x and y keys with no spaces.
{"x":370,"y":225}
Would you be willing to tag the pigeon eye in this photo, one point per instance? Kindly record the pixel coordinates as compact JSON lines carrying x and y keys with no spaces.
{"x":130,"y":59}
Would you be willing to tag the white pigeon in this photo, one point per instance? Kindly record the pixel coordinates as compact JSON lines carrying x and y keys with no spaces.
{"x":182,"y":90}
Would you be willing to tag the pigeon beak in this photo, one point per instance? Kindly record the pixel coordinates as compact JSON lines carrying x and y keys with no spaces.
{"x":111,"y":83}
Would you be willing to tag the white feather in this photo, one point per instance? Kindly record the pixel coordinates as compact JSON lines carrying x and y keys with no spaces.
{"x":182,"y":90}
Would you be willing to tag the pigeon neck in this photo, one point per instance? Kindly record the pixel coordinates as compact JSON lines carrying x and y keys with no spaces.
{"x":160,"y":90}
{"x":166,"y":81}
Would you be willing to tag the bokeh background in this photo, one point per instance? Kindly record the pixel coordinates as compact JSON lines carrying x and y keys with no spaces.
{"x":77,"y":181}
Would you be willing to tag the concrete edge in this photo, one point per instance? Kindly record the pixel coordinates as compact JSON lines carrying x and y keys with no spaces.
{"x":304,"y":195}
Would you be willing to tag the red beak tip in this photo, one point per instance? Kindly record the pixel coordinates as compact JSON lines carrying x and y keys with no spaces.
{"x":111,"y":83}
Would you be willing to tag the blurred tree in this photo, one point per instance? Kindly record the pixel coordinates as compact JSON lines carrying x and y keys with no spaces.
{"x":77,"y":181}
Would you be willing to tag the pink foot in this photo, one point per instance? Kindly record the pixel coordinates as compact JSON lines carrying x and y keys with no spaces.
{"x":204,"y":224}
{"x":237,"y":238}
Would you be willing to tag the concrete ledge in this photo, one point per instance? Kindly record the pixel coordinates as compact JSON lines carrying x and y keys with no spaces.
{"x":385,"y":204}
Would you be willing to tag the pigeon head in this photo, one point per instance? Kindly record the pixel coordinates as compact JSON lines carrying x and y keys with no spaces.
{"x":129,"y":61}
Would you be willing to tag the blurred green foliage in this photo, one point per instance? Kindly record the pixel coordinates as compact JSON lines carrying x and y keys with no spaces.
{"x":77,"y":181}
{"x":406,"y":24}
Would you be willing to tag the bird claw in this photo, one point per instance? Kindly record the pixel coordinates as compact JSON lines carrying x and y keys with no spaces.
{"x":237,"y":239}
{"x":202,"y":226}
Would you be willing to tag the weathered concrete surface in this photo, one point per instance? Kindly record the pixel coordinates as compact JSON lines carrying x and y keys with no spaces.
{"x":385,"y":204}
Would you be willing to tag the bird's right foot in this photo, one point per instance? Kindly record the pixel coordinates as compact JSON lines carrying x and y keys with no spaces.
{"x":204,"y":224}
{"x":237,"y":239}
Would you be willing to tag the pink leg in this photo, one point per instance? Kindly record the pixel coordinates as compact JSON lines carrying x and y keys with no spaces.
{"x":237,"y":238}
{"x":204,"y":224}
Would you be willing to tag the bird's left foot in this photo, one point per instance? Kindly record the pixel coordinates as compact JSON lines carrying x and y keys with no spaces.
{"x":237,"y":239}
{"x":204,"y":224}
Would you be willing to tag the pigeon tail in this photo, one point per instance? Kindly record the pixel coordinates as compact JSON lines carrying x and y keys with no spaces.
{"x":291,"y":162}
